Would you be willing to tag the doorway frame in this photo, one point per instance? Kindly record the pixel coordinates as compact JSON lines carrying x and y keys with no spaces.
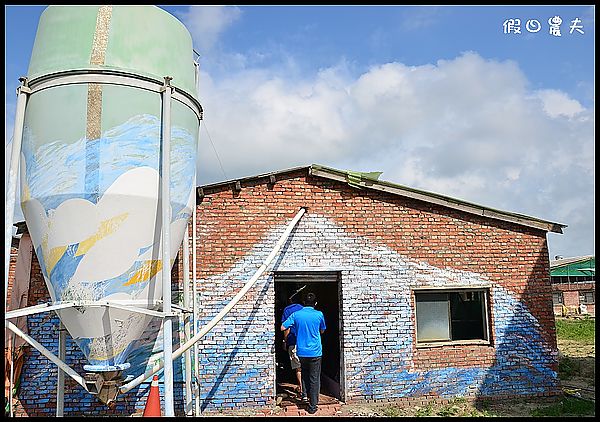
{"x":306,"y":274}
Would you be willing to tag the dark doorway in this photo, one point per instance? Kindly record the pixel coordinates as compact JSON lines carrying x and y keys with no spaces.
{"x":326,"y":286}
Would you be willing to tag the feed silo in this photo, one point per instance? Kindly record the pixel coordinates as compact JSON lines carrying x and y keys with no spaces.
{"x":107,"y":86}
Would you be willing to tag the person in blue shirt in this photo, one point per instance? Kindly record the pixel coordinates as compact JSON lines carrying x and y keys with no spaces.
{"x":289,"y":342}
{"x":309,"y":324}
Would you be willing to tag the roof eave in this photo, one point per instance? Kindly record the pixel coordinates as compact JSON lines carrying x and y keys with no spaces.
{"x":549,"y":226}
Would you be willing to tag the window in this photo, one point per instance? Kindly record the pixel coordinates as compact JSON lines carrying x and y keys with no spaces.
{"x":444,"y":315}
{"x":586,"y":297}
{"x":557,"y":298}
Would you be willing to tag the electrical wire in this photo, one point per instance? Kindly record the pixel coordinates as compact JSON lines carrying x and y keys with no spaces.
{"x":214,"y":148}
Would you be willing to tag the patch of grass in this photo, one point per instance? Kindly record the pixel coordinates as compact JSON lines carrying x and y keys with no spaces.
{"x":424,"y":411}
{"x":568,"y":367}
{"x":454,"y":408}
{"x":392,"y":411}
{"x":568,"y":406}
{"x":582,"y":330}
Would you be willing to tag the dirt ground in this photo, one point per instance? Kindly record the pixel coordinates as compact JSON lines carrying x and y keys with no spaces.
{"x":579,"y":359}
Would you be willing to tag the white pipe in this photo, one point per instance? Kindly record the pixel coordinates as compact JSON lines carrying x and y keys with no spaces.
{"x":11,"y":194}
{"x":166,"y":249}
{"x":60,"y":385}
{"x":197,"y":409}
{"x":66,"y":368}
{"x":160,"y":363}
{"x":186,"y":320}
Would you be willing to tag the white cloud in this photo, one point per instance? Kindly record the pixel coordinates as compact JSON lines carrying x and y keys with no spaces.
{"x":207,"y":23}
{"x":558,"y":103}
{"x":466,"y":127}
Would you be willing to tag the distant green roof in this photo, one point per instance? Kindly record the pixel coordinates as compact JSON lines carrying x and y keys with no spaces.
{"x":574,"y":267}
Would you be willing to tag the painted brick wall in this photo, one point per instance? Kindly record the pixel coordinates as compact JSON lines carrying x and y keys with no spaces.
{"x":383,"y":245}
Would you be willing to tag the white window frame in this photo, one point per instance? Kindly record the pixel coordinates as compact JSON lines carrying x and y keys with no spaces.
{"x":562,"y":298}
{"x":485,"y":289}
{"x":583,"y":293}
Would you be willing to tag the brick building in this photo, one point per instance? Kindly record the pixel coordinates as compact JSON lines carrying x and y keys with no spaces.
{"x":574,"y":285}
{"x":425,"y":296}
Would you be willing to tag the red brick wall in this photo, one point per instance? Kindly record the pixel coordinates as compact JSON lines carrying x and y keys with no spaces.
{"x":14,"y":250}
{"x":570,"y":293}
{"x":514,"y":256}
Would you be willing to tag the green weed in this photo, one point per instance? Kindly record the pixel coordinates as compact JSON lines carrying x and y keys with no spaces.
{"x":392,"y":411}
{"x":425,"y":411}
{"x":568,"y":406}
{"x":567,"y":367}
{"x":582,"y":330}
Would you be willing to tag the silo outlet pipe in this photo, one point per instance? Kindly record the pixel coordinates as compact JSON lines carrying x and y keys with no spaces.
{"x":140,"y":379}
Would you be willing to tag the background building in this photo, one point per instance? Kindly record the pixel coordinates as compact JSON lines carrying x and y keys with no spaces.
{"x":574,"y":285}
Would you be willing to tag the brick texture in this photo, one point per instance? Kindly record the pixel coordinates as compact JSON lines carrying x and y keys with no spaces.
{"x":383,"y":245}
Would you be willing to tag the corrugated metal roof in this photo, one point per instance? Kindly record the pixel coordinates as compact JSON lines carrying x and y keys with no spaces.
{"x":578,"y":266}
{"x":370,"y":180}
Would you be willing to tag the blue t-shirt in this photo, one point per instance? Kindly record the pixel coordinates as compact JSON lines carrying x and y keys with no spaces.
{"x":308,"y":322}
{"x":289,"y":310}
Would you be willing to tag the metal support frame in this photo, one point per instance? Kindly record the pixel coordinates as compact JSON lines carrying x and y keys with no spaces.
{"x":112,"y":77}
{"x":60,"y":383}
{"x":197,"y":407}
{"x":23,"y":92}
{"x":45,"y":307}
{"x":11,"y":196}
{"x":186,"y":321}
{"x":66,"y":368}
{"x":166,"y":242}
{"x":12,"y":376}
{"x":197,"y":389}
{"x":161,"y":359}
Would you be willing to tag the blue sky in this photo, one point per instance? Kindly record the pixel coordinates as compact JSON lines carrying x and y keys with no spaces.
{"x":438,"y":98}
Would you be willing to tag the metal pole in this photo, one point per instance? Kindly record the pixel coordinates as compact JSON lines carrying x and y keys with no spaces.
{"x":60,"y":385}
{"x":186,"y":321}
{"x":162,"y":362}
{"x":11,"y":194}
{"x":70,"y":372}
{"x":198,"y":409}
{"x":12,"y":374}
{"x":166,"y":242}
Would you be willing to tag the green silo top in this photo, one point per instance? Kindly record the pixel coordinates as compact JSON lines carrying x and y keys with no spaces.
{"x":144,"y":40}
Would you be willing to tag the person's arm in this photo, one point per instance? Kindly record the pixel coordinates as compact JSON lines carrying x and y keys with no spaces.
{"x":322,"y":326}
{"x":285,"y":325}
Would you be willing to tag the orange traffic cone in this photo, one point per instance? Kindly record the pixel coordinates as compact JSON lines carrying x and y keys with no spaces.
{"x":153,"y":402}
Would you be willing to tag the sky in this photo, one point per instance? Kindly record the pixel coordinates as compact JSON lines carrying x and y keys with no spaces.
{"x":448,"y":99}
